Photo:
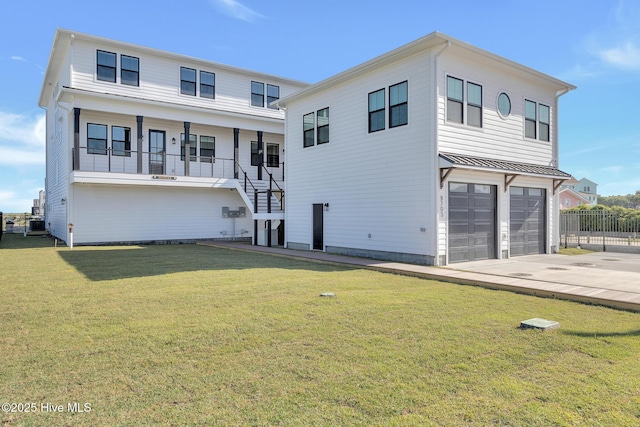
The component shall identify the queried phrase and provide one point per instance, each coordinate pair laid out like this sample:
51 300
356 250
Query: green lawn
194 335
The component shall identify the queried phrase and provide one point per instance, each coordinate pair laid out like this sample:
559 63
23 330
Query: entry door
527 221
157 146
472 222
318 226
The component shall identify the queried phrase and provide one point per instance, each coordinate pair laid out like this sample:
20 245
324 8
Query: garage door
527 221
472 222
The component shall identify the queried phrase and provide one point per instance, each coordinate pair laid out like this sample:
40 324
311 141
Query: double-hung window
398 112
273 94
273 155
207 148
256 156
376 110
474 104
121 141
187 81
207 84
308 129
257 94
96 139
323 126
455 100
193 147
106 66
129 70
543 122
530 119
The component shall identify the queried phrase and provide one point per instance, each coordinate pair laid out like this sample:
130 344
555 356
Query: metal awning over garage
448 162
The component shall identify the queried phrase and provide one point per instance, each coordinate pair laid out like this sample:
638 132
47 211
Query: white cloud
626 56
22 139
236 10
11 203
18 58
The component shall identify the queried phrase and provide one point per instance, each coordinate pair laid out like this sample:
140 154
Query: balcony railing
162 163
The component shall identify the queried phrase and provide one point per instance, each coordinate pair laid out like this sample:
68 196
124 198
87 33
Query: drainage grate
556 268
520 274
583 264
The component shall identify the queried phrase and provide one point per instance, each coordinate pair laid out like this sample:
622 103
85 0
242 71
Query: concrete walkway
604 278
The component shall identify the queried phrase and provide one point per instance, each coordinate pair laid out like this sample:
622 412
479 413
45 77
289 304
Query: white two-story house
436 152
145 145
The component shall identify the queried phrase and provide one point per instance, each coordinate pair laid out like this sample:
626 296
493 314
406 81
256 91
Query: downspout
553 239
434 158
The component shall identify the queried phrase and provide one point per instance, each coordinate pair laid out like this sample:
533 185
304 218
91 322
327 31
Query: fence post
604 245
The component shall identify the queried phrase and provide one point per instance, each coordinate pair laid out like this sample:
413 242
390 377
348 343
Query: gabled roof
448 160
435 39
575 194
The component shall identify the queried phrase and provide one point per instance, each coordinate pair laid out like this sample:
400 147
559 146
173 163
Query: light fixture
173 140
63 201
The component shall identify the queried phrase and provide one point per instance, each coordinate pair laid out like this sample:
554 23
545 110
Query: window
96 139
121 141
543 126
207 148
398 114
193 147
129 70
474 105
187 81
106 66
257 94
273 155
207 85
255 154
376 110
504 105
530 119
308 127
323 126
455 100
273 94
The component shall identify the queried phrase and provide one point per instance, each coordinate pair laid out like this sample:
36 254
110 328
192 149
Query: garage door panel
527 221
472 222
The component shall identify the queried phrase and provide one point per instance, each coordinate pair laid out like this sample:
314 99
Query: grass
573 251
194 335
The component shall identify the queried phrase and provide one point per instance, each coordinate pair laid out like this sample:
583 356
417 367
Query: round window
504 105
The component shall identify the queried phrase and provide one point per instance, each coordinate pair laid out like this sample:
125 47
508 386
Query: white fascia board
112 178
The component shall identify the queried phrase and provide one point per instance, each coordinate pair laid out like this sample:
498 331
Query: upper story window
129 70
187 81
257 94
543 122
474 104
207 85
308 128
398 111
273 94
106 70
207 148
536 120
96 139
376 110
455 100
323 126
121 141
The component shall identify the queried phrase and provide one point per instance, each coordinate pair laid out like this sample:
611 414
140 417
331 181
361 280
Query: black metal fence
600 228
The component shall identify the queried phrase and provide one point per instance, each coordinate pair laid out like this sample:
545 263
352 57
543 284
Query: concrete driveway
604 276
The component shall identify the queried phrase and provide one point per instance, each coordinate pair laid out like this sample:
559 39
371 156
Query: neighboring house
435 152
577 193
589 190
38 208
144 145
570 199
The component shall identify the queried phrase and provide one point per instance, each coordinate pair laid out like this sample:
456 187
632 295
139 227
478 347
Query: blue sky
593 44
